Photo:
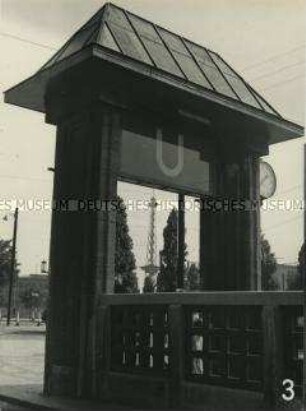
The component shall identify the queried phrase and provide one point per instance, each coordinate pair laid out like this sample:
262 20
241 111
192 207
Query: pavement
22 355
21 361
4 406
21 373
30 397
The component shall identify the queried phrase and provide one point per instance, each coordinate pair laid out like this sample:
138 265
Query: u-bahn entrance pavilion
124 95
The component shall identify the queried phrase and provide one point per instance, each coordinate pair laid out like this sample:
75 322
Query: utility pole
12 271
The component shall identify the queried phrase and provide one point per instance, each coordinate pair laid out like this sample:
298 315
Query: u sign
169 171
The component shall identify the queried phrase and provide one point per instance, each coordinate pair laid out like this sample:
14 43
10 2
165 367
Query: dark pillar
273 363
181 243
177 370
82 240
229 233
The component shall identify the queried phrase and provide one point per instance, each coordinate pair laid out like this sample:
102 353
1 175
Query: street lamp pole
12 271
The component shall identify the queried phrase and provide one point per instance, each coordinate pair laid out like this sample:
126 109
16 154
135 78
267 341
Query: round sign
267 180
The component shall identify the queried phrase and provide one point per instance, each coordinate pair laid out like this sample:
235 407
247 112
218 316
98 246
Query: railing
216 348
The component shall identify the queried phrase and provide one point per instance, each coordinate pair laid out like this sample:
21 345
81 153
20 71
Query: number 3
288 385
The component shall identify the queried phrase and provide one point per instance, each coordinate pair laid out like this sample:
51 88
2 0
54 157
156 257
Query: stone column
82 241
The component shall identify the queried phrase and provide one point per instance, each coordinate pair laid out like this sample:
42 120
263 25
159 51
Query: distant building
31 294
33 279
284 274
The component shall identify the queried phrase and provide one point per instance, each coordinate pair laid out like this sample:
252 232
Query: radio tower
151 267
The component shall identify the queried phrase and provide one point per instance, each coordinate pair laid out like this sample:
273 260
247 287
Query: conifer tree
167 276
268 266
125 263
5 268
148 286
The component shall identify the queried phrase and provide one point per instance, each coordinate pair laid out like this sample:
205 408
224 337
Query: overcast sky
263 39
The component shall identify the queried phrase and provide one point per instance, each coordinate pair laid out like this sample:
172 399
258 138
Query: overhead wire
275 57
275 226
33 43
12 177
283 83
283 68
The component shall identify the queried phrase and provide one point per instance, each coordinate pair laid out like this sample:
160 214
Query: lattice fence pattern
225 346
140 340
292 319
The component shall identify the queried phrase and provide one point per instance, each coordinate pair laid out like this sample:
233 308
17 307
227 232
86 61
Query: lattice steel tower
151 268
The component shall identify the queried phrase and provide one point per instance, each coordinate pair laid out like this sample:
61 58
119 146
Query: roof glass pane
106 39
94 36
224 67
173 42
242 91
161 57
90 27
217 80
210 69
200 53
52 60
78 41
266 105
95 19
129 43
192 71
236 82
117 16
145 29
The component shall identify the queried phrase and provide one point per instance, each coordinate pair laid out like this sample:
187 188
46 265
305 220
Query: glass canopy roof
133 37
116 46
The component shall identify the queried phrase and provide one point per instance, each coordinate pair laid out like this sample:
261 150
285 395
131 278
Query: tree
5 261
148 286
32 294
268 266
30 297
125 263
301 267
5 268
167 276
192 280
296 282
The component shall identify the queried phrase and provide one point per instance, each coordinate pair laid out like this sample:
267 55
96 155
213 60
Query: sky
264 40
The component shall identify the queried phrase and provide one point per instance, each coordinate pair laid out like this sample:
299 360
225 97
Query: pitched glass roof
133 37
